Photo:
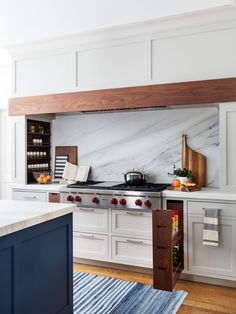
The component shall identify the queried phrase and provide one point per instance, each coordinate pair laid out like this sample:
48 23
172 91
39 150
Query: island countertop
18 215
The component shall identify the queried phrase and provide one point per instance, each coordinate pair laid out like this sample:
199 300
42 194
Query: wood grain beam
149 96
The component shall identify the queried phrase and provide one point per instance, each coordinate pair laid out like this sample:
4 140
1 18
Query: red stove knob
122 201
114 201
95 200
77 198
148 203
70 198
138 202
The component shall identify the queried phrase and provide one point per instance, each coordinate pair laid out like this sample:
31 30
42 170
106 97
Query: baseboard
135 269
143 270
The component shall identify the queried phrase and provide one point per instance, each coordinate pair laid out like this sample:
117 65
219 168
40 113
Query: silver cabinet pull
135 241
87 236
134 214
30 197
87 209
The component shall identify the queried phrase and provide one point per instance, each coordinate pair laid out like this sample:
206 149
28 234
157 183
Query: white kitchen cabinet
131 251
91 220
218 262
132 223
228 146
30 196
90 246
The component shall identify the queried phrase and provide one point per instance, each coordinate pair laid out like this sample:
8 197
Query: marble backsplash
115 142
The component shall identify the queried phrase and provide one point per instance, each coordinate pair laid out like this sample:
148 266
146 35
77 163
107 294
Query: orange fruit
176 183
48 178
45 180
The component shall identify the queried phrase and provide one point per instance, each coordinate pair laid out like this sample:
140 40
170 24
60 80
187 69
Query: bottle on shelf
175 218
175 255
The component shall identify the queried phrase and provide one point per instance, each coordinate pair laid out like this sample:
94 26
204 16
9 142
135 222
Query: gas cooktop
113 185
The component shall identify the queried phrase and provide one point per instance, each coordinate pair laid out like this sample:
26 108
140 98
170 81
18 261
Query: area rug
95 294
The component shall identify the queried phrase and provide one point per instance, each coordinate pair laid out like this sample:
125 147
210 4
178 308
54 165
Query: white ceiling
30 20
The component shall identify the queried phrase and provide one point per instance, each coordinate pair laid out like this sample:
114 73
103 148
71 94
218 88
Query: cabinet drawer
197 208
30 196
132 223
91 246
132 251
91 220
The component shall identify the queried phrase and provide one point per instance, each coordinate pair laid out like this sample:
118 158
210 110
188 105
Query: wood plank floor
202 298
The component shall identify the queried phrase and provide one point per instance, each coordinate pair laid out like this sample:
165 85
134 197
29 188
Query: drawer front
91 220
130 251
132 223
30 196
91 246
197 208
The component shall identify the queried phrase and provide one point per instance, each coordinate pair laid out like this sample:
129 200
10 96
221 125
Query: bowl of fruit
42 177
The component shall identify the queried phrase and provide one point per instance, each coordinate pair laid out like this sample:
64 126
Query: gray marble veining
115 142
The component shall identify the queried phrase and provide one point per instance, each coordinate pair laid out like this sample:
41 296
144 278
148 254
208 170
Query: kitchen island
35 258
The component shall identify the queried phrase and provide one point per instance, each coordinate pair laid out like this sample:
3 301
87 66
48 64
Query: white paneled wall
195 47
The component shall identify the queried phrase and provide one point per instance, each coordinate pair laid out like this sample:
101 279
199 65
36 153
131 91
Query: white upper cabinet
228 146
200 56
45 74
118 65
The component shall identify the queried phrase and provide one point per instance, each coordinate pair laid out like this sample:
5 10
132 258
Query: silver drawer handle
87 209
134 214
134 241
30 196
87 236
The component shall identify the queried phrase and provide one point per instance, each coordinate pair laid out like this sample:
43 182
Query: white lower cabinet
30 196
91 246
131 223
91 220
218 262
131 251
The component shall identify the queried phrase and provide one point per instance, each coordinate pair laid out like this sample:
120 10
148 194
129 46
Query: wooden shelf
38 146
38 158
36 133
165 273
45 146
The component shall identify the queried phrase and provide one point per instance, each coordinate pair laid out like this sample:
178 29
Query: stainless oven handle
134 214
30 197
87 209
134 241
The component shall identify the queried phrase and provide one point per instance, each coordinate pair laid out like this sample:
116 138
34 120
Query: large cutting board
194 161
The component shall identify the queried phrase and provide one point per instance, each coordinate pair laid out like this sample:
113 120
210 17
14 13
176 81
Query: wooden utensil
194 161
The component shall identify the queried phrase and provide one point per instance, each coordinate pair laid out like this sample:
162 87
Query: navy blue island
36 267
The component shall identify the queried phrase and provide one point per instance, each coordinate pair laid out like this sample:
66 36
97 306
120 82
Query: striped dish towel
211 227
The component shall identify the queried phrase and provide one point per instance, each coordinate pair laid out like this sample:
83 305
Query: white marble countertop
39 187
204 194
18 215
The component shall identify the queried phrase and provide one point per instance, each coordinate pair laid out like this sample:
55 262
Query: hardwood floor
202 298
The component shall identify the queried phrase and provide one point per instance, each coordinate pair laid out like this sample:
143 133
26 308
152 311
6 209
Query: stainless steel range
94 194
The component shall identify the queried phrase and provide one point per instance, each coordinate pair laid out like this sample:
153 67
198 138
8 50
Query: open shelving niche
165 273
44 147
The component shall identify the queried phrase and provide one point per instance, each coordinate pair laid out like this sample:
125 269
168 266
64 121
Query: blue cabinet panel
38 276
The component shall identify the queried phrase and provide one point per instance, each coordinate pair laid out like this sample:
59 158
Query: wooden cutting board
194 161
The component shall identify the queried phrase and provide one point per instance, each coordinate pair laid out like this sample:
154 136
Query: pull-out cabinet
165 268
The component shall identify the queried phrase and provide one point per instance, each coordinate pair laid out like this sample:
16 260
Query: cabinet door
228 146
91 220
209 260
132 223
131 251
91 246
30 196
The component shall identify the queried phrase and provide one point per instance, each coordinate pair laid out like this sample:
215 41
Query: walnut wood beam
149 96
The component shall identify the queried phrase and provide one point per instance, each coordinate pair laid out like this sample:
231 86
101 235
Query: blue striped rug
95 294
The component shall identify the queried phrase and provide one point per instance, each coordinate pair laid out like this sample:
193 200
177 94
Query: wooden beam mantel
149 96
